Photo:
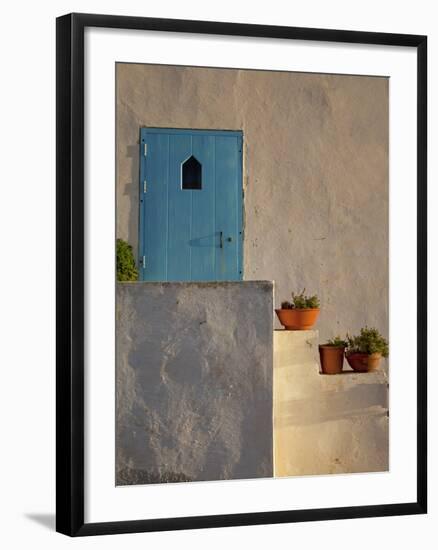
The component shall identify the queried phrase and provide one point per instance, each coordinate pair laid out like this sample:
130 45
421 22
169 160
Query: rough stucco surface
315 175
194 381
326 424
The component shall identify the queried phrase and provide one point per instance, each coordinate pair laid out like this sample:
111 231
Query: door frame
144 130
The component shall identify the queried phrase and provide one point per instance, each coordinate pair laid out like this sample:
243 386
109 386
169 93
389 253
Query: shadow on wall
131 191
362 400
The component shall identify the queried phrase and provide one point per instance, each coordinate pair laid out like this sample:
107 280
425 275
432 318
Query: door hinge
143 262
145 149
145 186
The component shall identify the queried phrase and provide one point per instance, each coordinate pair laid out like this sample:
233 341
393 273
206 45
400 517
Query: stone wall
315 175
194 381
326 424
207 391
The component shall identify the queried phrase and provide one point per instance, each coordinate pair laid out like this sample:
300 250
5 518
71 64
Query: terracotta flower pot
332 359
363 362
297 319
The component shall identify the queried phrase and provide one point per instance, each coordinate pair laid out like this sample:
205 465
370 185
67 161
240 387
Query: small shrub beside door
126 268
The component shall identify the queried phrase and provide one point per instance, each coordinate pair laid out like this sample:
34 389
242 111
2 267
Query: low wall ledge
202 284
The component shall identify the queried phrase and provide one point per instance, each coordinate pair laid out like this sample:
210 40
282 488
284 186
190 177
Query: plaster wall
315 175
326 424
194 381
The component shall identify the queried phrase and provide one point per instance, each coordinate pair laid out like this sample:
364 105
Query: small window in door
191 174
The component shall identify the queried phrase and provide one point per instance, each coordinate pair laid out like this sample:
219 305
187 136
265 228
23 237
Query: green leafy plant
301 301
126 268
336 342
368 341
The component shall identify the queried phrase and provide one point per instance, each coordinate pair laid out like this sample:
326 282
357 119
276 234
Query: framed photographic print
241 274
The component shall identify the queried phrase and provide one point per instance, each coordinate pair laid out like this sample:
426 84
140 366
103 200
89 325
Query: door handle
221 239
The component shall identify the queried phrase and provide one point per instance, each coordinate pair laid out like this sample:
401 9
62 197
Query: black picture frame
70 273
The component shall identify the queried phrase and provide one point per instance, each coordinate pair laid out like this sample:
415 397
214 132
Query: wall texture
194 381
315 174
326 424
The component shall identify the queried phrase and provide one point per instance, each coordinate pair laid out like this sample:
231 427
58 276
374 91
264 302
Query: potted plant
331 355
365 350
301 313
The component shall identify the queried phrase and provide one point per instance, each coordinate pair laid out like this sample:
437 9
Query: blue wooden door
190 205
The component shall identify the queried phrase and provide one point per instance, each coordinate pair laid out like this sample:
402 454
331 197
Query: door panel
180 209
191 234
203 239
227 174
155 208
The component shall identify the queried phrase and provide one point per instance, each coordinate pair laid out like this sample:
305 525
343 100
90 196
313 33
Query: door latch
221 239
